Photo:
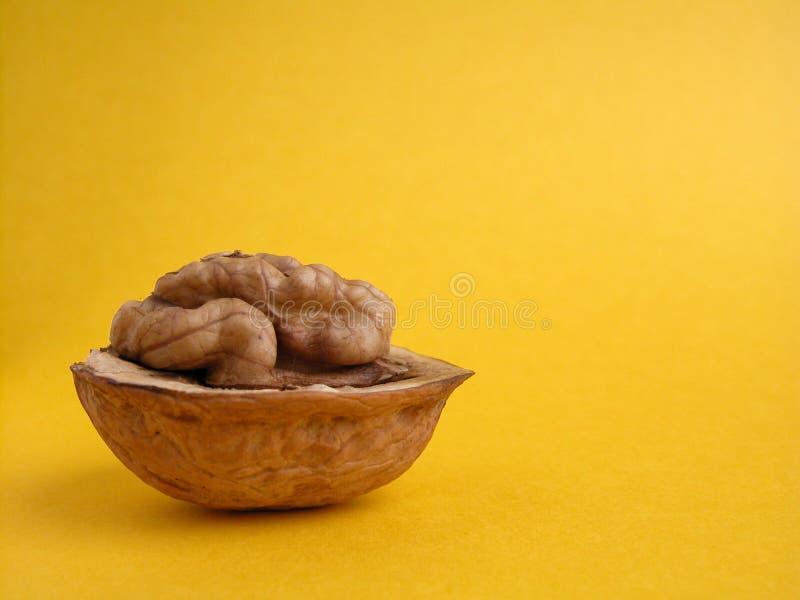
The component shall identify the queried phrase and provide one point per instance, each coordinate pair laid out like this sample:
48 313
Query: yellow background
632 167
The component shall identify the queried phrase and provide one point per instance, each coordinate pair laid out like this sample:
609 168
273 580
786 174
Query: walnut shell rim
266 448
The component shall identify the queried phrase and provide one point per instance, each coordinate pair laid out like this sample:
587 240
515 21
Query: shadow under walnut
264 448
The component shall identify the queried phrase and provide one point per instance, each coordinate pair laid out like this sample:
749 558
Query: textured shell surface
264 448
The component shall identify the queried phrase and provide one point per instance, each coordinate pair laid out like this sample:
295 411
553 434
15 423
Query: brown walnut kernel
261 320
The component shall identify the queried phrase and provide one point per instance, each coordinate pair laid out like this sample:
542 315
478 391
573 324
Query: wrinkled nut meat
233 314
253 381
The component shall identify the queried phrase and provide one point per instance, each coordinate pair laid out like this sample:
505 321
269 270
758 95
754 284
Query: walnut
232 314
318 315
249 382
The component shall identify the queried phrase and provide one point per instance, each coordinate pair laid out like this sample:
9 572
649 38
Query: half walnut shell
264 448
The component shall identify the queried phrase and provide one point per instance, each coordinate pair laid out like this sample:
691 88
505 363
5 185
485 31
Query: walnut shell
265 448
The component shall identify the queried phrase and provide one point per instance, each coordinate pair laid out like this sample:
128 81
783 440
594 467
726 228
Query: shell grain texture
265 448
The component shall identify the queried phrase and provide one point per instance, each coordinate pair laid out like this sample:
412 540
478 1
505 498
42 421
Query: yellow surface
630 167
